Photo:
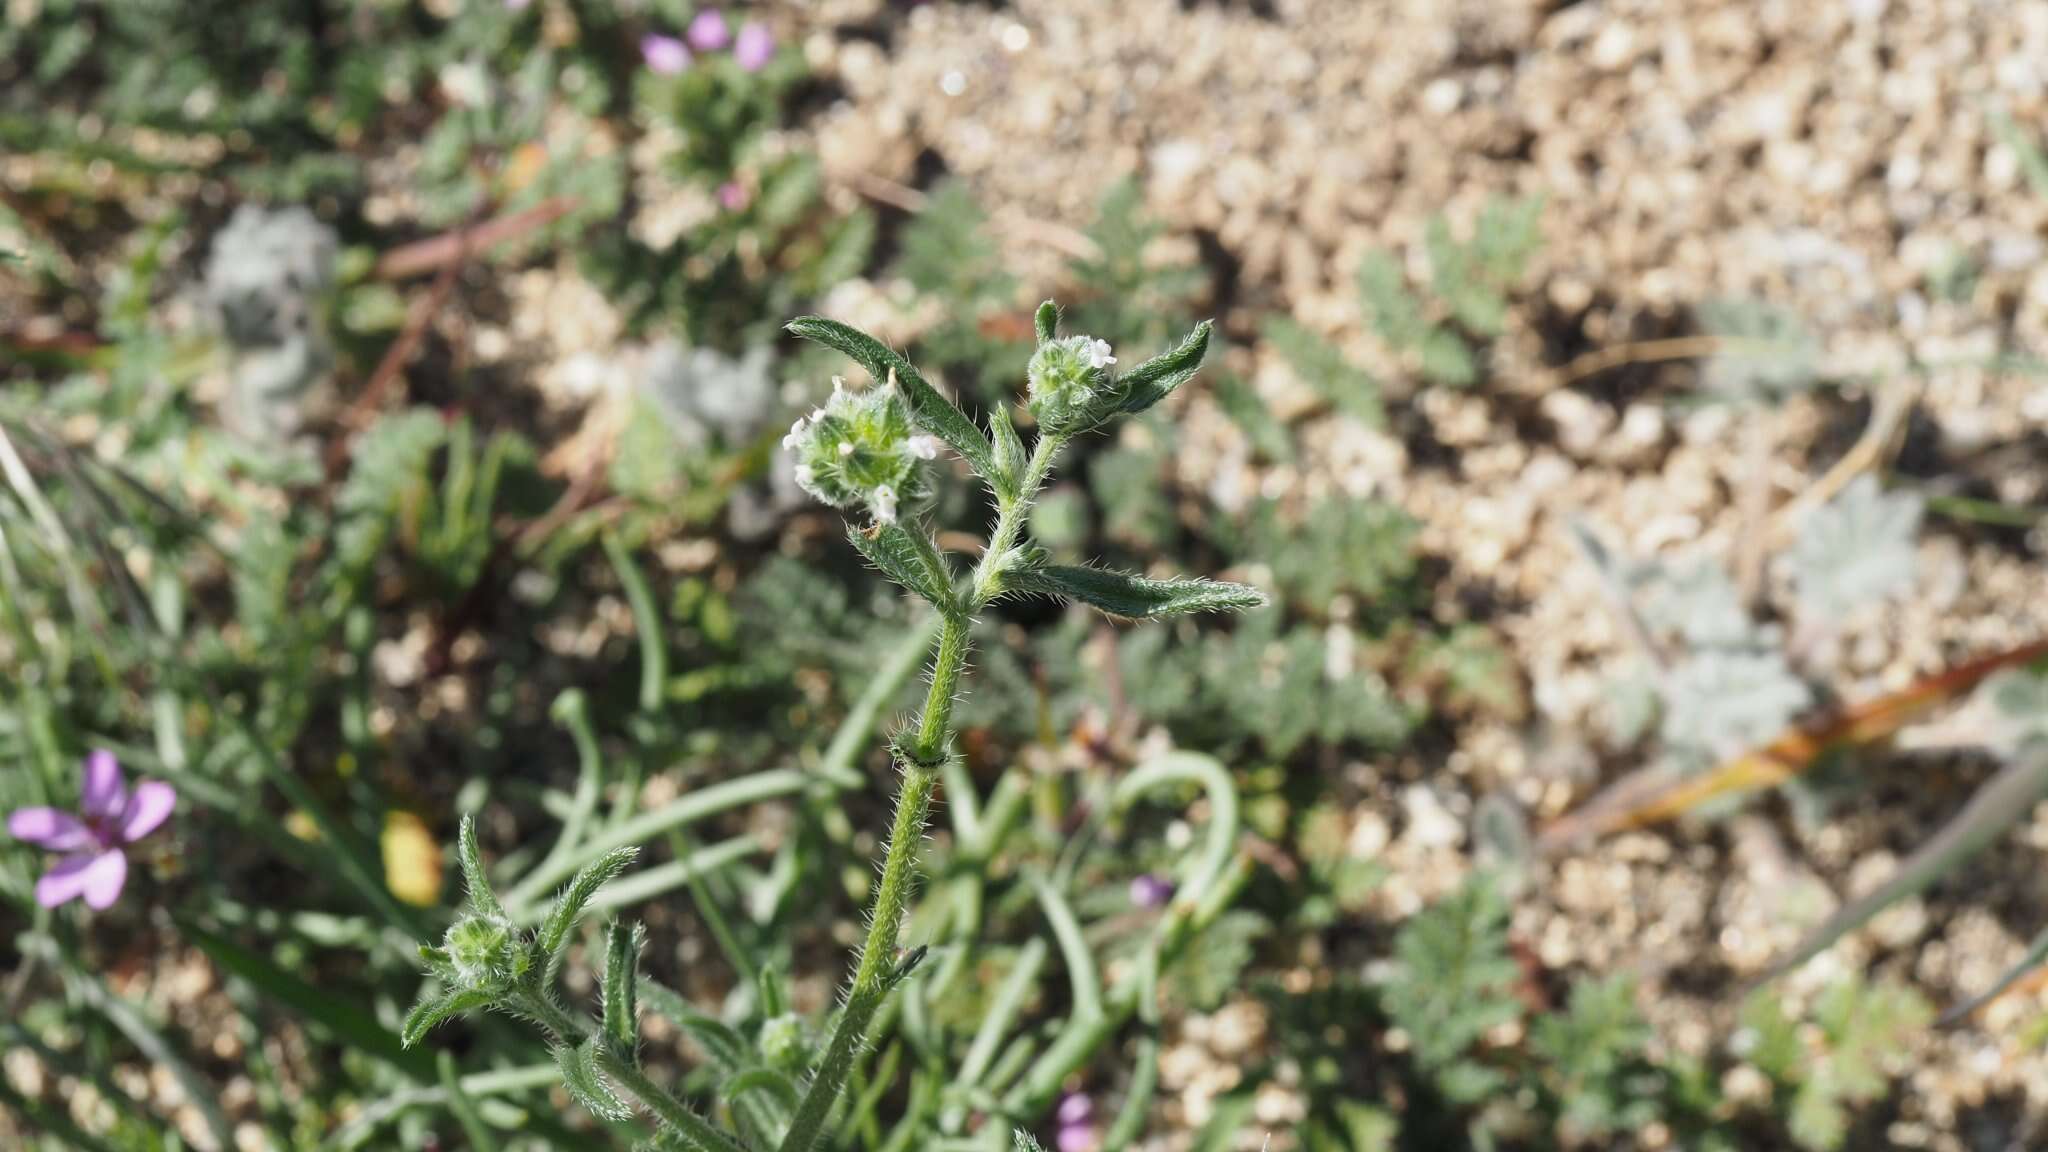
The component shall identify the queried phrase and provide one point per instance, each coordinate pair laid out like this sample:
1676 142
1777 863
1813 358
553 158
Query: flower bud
488 953
861 451
785 1043
1069 378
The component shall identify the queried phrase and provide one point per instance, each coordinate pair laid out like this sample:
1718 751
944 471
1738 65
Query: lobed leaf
932 411
1130 597
910 558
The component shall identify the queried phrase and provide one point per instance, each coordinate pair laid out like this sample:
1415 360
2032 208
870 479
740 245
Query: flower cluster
93 863
861 450
1068 379
752 48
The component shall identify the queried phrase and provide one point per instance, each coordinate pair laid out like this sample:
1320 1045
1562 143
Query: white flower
796 433
845 448
803 476
884 502
923 447
1097 352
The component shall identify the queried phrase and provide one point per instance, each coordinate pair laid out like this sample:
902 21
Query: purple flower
109 817
708 31
1076 1121
732 195
665 55
1149 891
755 47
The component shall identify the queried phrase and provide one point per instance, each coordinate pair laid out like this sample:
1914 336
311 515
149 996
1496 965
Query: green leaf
910 558
580 1075
932 411
1323 366
621 964
1155 379
1048 321
2002 802
725 1047
1129 597
1010 457
554 931
465 1109
353 1025
1446 360
1390 307
431 1011
475 879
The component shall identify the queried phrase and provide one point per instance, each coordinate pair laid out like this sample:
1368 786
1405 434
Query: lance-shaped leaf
432 1010
621 983
2007 799
587 1084
1047 321
932 411
1011 459
909 557
554 931
1129 597
1155 379
477 881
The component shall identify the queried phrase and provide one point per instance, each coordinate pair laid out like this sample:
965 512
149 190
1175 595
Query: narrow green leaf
1155 379
474 877
580 1075
1011 458
351 1024
2036 952
909 557
2002 802
466 1114
431 1011
768 1080
1129 597
621 968
554 931
1048 321
725 1046
932 411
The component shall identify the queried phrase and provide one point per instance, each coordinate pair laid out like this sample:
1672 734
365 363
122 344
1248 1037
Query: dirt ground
1837 159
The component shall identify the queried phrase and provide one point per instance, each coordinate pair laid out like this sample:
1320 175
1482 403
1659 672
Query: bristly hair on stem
869 451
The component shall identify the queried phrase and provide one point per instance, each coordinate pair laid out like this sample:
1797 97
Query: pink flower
665 55
1076 1124
755 47
708 32
109 817
732 195
1150 891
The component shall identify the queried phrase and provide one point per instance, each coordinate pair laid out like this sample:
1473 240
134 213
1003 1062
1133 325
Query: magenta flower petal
97 877
104 794
48 828
708 31
755 47
151 804
665 55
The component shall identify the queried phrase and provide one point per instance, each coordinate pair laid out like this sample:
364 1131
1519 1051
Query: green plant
1469 283
867 451
1858 1027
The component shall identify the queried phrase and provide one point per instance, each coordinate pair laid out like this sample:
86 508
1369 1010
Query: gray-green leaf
1130 597
580 1075
1155 379
909 557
